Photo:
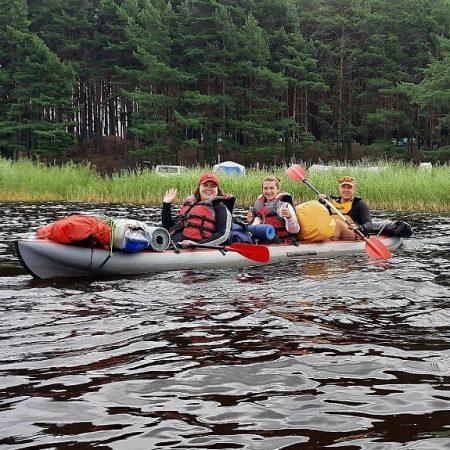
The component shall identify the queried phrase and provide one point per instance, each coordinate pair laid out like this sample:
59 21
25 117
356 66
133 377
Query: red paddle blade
296 172
258 253
376 249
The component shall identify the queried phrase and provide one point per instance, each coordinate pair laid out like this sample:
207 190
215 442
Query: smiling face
270 190
346 191
208 190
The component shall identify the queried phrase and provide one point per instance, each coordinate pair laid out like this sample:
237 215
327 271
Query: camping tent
229 167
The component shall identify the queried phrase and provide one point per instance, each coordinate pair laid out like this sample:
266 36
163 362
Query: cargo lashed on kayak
43 258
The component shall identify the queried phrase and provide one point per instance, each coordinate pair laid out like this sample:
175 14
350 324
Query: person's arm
291 222
166 216
252 218
363 216
166 212
223 226
322 198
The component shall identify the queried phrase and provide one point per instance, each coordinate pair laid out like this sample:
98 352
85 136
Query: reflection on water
344 353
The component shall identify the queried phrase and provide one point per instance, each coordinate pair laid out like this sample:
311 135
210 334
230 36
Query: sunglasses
347 179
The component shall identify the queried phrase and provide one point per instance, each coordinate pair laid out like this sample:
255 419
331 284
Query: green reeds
391 186
27 181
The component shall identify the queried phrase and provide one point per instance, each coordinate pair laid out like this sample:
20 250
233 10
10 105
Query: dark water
343 354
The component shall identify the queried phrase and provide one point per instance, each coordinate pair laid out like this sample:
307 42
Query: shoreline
393 186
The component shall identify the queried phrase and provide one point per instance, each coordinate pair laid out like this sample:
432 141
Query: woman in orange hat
204 218
352 207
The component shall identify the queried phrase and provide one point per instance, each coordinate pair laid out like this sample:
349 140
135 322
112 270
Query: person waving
204 218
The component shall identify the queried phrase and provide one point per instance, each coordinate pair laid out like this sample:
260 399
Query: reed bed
390 186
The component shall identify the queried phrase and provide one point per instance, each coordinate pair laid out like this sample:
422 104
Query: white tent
229 167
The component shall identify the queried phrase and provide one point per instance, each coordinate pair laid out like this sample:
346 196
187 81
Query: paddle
374 247
258 253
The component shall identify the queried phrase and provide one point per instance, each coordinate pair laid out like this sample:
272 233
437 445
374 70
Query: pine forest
189 81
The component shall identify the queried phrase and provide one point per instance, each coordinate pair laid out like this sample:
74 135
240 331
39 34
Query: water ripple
345 353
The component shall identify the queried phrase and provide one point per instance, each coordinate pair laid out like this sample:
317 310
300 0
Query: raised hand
285 212
170 195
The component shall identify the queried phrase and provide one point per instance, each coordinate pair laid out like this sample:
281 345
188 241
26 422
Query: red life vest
197 220
267 212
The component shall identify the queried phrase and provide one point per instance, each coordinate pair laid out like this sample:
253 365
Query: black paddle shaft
311 186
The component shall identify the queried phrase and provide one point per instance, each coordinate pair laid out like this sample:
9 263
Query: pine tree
432 95
36 90
151 83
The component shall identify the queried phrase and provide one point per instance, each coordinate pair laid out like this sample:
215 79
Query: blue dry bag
238 234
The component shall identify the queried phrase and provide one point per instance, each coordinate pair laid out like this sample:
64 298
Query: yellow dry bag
316 224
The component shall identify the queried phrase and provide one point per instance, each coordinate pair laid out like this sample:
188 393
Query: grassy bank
399 187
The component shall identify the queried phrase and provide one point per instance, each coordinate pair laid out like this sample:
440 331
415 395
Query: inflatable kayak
43 258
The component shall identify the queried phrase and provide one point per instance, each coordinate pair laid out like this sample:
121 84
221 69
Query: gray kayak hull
47 259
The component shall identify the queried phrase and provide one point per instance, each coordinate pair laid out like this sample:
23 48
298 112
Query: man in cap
352 207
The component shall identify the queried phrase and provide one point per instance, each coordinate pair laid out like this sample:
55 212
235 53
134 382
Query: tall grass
395 186
28 181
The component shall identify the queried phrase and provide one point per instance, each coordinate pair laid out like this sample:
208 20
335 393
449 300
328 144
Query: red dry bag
77 228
